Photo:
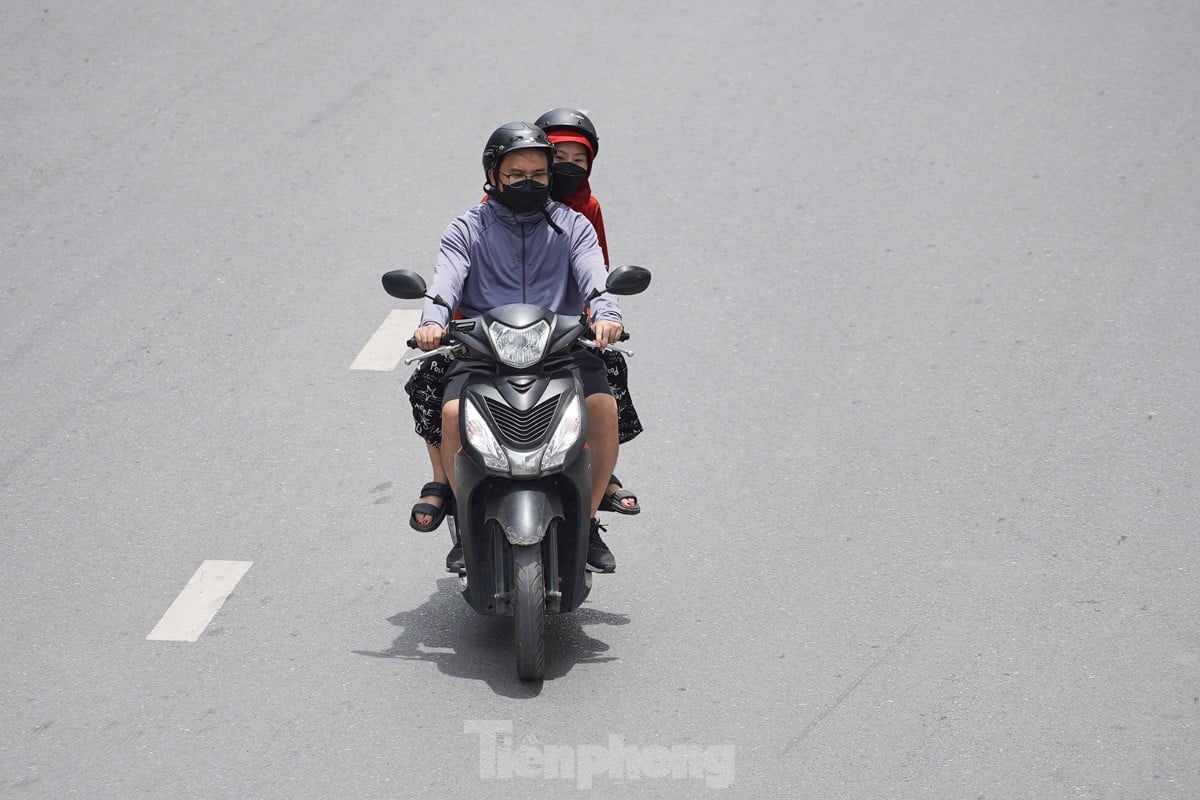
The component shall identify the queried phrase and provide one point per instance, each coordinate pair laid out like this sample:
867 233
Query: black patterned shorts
425 388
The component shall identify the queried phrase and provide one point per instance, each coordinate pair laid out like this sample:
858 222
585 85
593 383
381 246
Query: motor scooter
523 477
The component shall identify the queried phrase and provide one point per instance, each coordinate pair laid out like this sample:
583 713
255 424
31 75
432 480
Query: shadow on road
463 644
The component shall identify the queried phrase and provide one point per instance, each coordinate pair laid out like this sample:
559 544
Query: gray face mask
527 195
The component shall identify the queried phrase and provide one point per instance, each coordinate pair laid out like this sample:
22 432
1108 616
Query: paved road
918 372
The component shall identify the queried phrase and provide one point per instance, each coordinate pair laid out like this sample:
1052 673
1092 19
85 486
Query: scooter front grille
523 427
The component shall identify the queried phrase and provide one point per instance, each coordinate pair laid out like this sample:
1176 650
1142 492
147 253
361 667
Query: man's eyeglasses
538 177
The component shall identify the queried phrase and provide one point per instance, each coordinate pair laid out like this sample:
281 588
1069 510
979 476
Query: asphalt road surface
918 371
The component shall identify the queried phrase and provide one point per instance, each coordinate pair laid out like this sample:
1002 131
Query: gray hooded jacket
491 256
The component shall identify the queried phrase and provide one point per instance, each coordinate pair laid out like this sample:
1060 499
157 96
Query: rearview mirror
627 280
404 284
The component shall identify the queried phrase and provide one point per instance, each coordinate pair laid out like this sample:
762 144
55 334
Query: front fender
524 513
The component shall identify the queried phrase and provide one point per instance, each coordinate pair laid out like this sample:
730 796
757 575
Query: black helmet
514 136
570 119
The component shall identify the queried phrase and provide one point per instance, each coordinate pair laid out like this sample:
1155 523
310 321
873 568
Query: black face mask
565 179
527 195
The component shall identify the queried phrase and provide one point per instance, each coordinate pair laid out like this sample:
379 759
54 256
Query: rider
575 147
513 249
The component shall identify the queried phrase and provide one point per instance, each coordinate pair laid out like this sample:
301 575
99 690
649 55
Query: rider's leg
450 440
602 439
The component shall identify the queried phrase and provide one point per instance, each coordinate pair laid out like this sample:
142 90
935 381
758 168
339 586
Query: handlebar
412 341
590 331
447 346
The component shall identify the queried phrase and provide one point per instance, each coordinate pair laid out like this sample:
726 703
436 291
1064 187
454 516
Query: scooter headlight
519 347
480 437
570 427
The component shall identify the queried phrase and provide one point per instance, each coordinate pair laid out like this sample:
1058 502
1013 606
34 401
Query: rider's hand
429 336
607 332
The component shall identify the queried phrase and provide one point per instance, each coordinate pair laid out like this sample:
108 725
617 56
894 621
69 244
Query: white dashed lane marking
213 582
199 601
383 351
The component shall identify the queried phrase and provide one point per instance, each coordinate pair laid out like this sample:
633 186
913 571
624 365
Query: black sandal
611 502
436 490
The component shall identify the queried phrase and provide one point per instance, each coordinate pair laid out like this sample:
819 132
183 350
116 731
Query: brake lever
616 348
449 349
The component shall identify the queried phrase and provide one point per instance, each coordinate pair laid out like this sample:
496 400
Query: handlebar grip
412 342
624 334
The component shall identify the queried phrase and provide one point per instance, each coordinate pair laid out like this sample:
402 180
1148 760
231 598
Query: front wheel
529 612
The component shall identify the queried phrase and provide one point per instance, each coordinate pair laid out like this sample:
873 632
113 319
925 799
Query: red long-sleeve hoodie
583 200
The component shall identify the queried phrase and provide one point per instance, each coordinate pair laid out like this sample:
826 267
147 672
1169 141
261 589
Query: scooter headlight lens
565 435
519 347
480 437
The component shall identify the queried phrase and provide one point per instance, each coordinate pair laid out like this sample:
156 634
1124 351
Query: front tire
529 612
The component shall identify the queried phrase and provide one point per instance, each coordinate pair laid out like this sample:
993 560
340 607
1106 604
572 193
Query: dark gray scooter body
496 513
524 532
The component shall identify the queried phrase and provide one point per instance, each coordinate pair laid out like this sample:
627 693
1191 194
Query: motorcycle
523 475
